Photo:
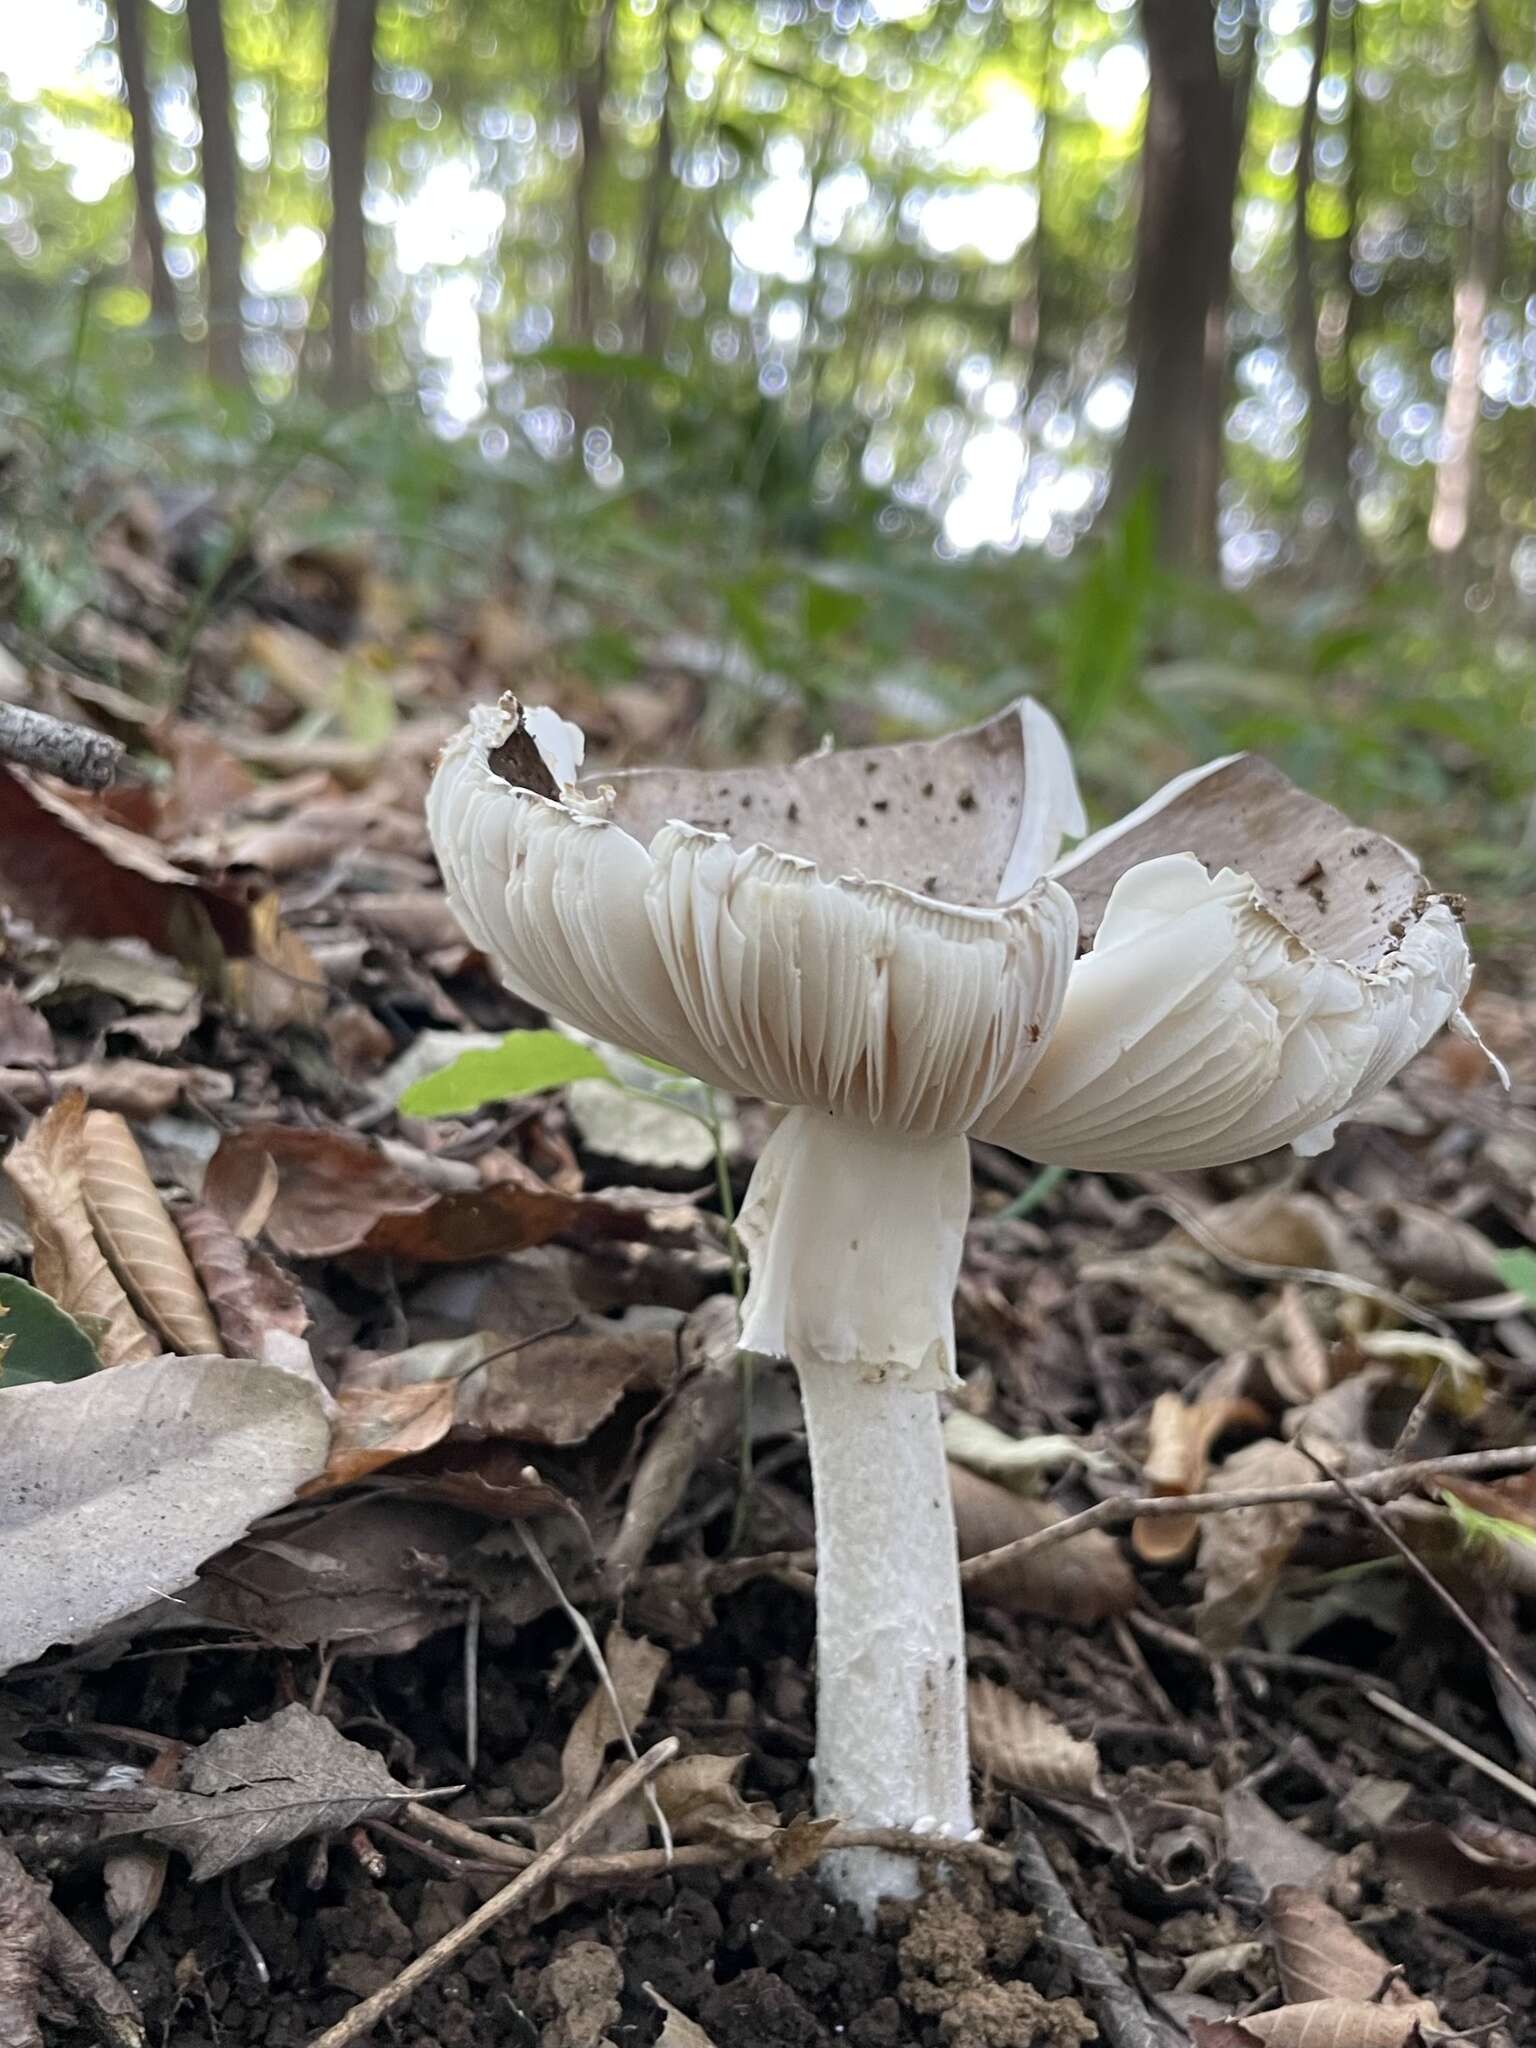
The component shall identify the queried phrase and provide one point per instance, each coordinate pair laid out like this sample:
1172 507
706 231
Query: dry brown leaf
134 1088
1243 1551
1221 2034
1320 1956
250 1294
134 1229
1084 1580
46 1169
68 870
559 1389
337 1192
25 1037
1220 1319
281 983
377 1426
1474 1869
634 1669
1274 1851
1180 1438
1022 1745
1283 1226
1305 1371
700 1796
1342 2023
800 1844
1445 1259
134 1873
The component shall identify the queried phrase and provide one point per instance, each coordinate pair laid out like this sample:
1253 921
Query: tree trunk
1183 269
1327 462
221 231
151 236
591 90
1027 325
657 193
348 112
1450 517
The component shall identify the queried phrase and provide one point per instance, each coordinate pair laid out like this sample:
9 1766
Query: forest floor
1269 1762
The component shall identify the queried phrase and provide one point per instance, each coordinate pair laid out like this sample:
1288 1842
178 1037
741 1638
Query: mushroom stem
891 1742
855 1235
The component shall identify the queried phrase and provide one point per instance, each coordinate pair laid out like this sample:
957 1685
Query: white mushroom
1259 966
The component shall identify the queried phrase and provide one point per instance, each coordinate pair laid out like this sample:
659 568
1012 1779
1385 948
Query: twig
1288 1663
1123 2018
364 2017
1455 1748
72 752
1109 1514
67 1957
1416 1564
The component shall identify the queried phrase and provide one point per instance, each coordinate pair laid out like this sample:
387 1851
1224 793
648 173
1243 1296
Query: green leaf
1484 1530
1517 1270
523 1063
38 1341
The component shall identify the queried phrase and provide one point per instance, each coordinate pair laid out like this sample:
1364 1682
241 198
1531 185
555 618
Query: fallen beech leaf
114 1489
139 977
1422 1354
1022 1745
25 1037
250 1294
1083 1580
677 2030
46 1169
377 1426
73 874
1221 2034
280 983
1342 2023
252 1790
1436 1252
1244 1550
558 1389
1320 1956
1180 1438
39 1343
1223 1323
136 1233
1284 1227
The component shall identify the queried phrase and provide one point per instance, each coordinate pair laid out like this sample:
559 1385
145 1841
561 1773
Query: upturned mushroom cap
873 934
649 912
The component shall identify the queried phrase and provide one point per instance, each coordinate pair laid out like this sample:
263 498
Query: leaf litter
291 1363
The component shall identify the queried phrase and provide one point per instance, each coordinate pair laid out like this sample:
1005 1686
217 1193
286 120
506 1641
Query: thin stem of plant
363 2018
1474 1758
1119 1509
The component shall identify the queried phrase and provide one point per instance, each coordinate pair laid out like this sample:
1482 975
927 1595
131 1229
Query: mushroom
882 942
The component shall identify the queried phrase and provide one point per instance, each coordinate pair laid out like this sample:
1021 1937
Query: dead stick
1108 1514
363 2018
73 752
1462 1750
1122 2015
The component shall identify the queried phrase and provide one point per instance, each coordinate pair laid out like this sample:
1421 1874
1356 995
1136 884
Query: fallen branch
35 1939
73 752
1119 1509
363 2018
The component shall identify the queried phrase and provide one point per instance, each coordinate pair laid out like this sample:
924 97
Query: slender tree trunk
221 232
1450 517
1327 462
657 193
151 236
348 112
591 90
1183 270
1027 325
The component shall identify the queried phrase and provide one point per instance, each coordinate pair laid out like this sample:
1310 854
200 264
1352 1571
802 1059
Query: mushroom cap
1259 966
763 969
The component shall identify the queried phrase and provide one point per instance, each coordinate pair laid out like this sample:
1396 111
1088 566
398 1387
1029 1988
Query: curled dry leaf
63 866
1019 1463
136 1233
47 1169
131 1479
700 1796
1474 1869
677 2030
1283 1226
377 1426
634 1668
1180 1438
136 1088
1342 2023
1022 1745
337 1192
250 1294
252 1790
1243 1552
1275 1852
134 1872
1223 1323
1084 1580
